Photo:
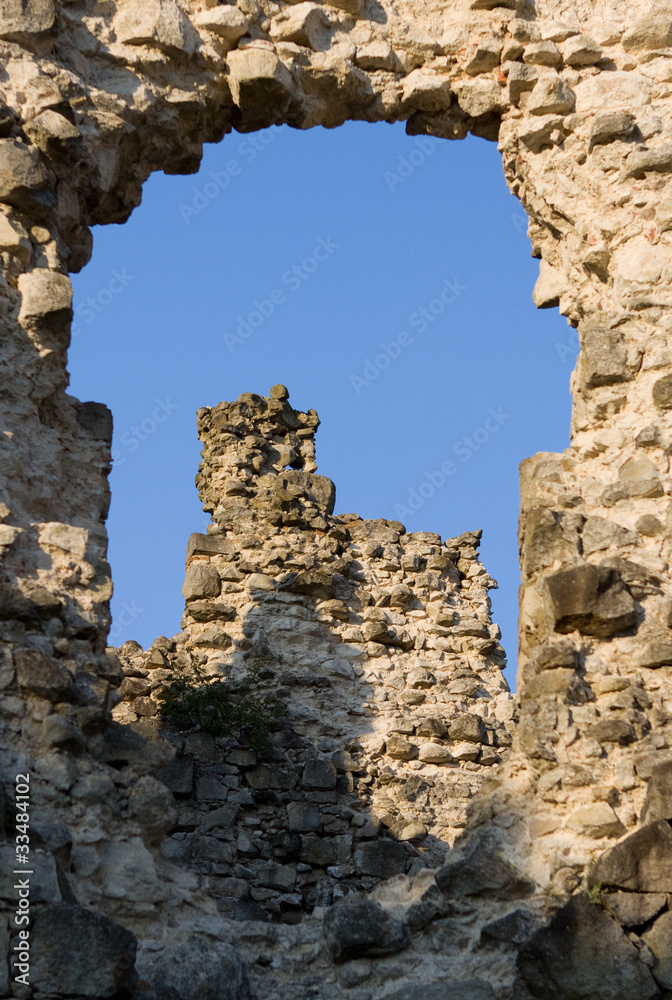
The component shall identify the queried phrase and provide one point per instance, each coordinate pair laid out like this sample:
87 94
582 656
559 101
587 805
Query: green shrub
223 707
595 894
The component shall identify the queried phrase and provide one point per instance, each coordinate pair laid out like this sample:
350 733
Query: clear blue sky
386 280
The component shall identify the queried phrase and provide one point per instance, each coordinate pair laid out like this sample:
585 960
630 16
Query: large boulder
358 928
583 954
75 952
640 863
200 970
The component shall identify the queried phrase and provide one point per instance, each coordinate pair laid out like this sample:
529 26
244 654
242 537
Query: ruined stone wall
97 95
381 648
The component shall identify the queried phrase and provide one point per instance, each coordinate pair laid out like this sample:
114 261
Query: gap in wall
386 280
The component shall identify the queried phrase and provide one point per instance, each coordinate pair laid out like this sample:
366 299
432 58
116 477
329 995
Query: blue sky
386 280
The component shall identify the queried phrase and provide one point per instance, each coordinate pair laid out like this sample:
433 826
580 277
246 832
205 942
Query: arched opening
385 279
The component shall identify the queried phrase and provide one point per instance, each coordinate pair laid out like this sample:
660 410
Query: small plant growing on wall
243 707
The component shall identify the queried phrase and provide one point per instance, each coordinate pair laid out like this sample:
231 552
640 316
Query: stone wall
379 645
97 95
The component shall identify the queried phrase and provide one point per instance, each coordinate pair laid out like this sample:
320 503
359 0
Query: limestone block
598 533
45 295
401 749
222 818
426 92
464 750
353 929
213 637
319 774
617 90
377 56
161 24
544 53
578 954
381 858
303 817
319 851
201 581
434 753
102 965
42 675
648 33
178 775
579 50
596 820
27 22
611 125
210 789
467 727
484 57
260 84
662 393
591 599
56 136
153 807
138 745
520 79
207 545
305 24
634 909
640 163
228 22
551 95
604 358
640 863
478 97
24 181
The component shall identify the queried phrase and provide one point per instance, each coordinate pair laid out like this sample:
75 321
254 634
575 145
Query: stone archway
98 95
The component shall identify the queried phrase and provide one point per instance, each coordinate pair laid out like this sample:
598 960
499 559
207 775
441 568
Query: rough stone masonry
558 884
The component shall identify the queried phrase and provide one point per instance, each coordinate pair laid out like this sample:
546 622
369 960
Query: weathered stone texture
94 98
